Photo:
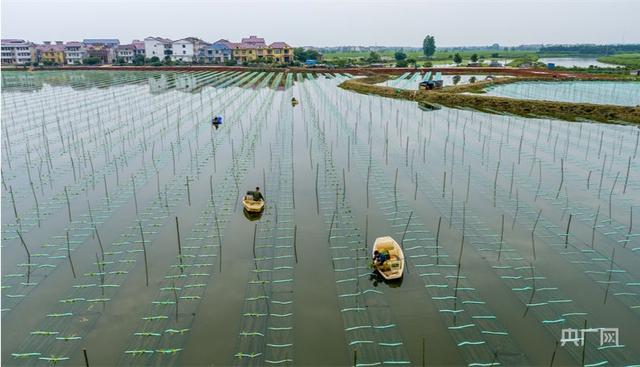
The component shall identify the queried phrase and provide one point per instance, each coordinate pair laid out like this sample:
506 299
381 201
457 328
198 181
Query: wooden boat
251 205
394 267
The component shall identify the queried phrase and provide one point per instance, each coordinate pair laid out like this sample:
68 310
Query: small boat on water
294 102
394 266
252 206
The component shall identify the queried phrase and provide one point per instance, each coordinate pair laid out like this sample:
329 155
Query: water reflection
375 278
158 81
252 216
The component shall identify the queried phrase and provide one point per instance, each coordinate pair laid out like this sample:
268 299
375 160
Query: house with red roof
17 52
51 53
74 52
159 47
254 49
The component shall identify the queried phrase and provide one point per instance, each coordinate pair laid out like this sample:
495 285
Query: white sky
329 22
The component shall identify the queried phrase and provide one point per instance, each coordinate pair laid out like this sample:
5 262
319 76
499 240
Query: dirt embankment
453 97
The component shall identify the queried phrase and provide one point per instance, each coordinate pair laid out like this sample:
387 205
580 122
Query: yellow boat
252 206
394 267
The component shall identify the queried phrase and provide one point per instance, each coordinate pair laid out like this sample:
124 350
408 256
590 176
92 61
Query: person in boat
294 100
214 120
257 195
379 257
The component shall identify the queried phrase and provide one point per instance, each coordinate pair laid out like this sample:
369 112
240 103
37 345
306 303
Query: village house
102 52
187 49
253 49
125 53
217 52
74 52
49 53
158 47
138 47
17 52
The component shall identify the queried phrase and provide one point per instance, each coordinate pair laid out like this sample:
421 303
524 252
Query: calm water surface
513 229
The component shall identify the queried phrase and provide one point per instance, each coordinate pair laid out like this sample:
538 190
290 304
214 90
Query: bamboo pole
144 250
73 270
295 242
66 194
566 238
179 244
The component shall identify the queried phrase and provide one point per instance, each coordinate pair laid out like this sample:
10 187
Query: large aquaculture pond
599 92
124 235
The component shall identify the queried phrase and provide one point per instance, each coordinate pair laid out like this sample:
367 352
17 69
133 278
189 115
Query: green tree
400 55
429 46
154 59
302 55
231 62
374 58
299 54
456 79
457 58
341 63
91 60
413 62
402 63
474 58
472 79
138 60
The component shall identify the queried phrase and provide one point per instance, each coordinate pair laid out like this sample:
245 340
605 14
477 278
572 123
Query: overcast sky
329 22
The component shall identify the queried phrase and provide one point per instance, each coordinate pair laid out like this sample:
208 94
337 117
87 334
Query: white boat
394 267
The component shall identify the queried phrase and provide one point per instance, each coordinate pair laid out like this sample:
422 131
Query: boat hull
253 206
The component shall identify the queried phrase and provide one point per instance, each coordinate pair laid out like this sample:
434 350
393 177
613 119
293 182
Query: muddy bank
453 97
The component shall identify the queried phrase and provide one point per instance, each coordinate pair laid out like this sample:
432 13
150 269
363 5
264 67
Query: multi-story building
280 52
243 52
74 52
255 49
187 49
125 53
247 50
49 53
102 52
17 52
183 50
109 42
158 47
138 47
218 52
222 50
